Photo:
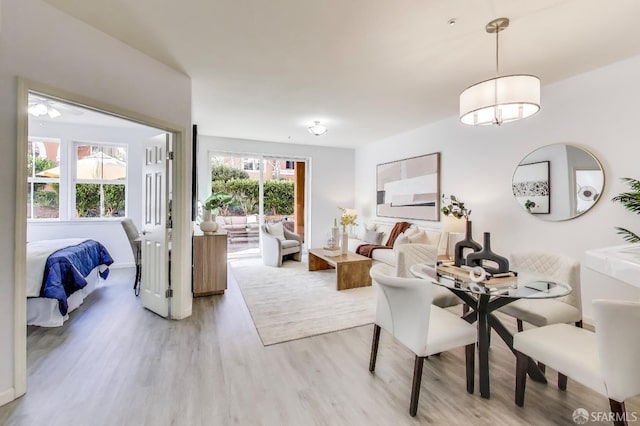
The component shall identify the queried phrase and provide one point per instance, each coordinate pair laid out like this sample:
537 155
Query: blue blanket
66 268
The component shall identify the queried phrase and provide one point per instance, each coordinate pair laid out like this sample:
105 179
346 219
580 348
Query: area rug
289 302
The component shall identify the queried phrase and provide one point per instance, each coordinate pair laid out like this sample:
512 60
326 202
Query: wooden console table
209 263
352 270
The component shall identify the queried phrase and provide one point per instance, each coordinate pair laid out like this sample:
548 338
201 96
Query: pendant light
503 98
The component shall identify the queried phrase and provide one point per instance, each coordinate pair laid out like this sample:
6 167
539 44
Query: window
251 163
93 184
43 200
100 174
289 165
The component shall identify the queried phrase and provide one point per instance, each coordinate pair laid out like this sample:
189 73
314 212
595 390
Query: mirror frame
538 180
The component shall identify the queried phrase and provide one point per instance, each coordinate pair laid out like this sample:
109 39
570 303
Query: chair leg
470 359
519 322
415 388
374 347
542 367
619 412
562 381
522 362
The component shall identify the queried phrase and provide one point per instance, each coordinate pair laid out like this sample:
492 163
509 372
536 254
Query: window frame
32 180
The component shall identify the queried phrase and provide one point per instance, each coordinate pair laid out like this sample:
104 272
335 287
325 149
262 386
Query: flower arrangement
348 217
451 206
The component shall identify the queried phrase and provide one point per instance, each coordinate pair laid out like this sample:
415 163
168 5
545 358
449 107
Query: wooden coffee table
352 270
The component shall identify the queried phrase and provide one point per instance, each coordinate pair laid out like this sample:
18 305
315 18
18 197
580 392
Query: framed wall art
531 187
409 188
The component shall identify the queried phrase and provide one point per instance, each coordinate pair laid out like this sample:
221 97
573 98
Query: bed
60 274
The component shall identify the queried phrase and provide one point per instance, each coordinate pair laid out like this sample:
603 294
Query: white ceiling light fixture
317 129
503 98
39 109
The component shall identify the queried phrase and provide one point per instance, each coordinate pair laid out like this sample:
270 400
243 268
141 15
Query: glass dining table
483 298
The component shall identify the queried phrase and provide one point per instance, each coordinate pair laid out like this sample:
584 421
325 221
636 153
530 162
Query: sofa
245 227
418 244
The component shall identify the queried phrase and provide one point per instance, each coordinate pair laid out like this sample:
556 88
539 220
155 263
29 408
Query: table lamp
455 229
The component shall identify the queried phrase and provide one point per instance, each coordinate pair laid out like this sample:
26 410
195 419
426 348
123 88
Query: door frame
266 156
181 232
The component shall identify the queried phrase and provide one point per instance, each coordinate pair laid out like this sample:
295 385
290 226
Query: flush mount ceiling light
503 98
317 129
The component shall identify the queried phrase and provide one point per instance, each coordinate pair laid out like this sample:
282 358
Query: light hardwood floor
115 363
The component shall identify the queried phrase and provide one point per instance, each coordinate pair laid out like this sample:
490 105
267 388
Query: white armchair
405 311
278 243
605 361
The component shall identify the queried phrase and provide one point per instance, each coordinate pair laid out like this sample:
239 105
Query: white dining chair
605 361
405 311
541 312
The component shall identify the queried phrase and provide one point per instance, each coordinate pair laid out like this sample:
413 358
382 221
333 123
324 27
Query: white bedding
37 254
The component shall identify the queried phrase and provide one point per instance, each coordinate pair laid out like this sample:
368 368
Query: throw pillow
362 230
402 239
276 230
372 237
419 238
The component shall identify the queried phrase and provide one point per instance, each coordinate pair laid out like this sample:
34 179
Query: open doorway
83 173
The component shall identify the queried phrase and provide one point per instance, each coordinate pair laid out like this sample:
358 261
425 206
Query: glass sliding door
266 190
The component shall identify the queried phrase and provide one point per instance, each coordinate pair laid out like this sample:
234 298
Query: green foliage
88 199
529 205
631 201
217 200
278 197
225 173
40 164
451 206
114 198
245 192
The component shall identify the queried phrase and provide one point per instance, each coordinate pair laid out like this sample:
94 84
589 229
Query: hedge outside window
100 173
43 182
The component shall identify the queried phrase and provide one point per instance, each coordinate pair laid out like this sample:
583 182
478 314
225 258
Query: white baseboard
7 396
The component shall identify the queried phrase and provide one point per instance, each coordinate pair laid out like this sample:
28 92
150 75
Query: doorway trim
181 238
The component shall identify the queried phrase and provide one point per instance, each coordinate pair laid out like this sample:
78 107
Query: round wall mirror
558 182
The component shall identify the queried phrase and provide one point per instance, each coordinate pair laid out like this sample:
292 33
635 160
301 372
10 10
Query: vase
498 264
345 242
208 225
335 233
467 244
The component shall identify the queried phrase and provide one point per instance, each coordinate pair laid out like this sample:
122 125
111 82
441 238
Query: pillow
401 239
372 237
276 230
364 228
419 238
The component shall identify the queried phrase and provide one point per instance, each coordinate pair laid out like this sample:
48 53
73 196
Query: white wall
79 59
330 170
596 110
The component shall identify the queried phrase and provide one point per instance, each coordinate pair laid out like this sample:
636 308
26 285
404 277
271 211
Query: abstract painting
531 187
409 188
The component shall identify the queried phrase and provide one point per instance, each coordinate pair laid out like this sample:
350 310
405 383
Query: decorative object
529 205
335 232
531 185
332 251
302 303
466 244
567 185
498 264
409 188
348 218
212 206
208 224
454 221
503 98
317 129
631 201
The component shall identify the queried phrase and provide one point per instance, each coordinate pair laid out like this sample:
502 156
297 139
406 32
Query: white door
154 284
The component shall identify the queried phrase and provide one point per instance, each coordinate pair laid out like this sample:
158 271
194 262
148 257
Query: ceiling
367 69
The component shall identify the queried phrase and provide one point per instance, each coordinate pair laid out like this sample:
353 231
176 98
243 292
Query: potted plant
212 207
631 201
